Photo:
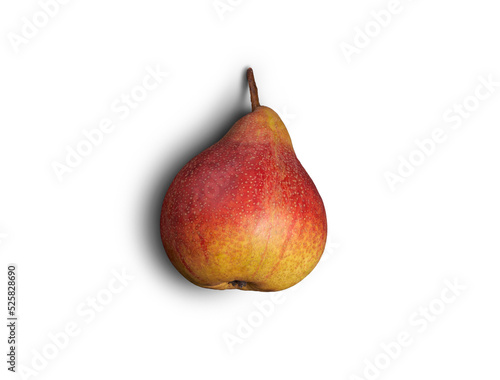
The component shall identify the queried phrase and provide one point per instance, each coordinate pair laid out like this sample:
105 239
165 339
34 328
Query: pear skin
244 214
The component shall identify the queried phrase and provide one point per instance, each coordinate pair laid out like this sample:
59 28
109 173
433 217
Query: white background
389 252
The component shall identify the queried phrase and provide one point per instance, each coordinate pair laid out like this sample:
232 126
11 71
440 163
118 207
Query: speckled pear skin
244 214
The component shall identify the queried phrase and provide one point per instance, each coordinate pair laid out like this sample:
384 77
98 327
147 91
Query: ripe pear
244 214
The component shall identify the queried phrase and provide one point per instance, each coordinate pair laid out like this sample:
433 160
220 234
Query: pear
244 214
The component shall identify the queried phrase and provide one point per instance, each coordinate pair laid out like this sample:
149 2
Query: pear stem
254 94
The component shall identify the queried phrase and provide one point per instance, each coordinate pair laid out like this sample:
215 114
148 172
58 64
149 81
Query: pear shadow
214 127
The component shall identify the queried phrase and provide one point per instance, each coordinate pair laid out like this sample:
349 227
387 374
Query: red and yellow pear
244 214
